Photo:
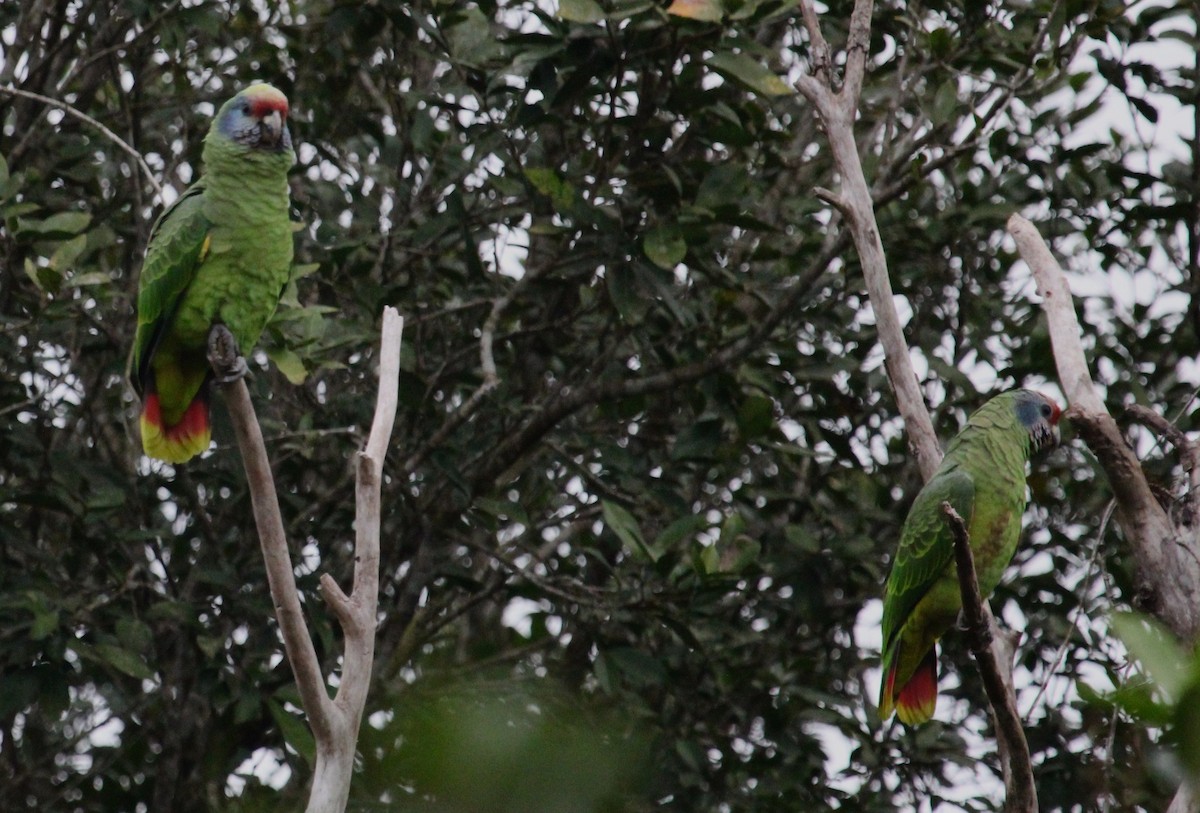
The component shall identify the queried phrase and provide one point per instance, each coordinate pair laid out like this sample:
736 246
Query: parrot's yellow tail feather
180 442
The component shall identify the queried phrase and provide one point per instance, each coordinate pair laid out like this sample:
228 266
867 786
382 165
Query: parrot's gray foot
239 370
979 638
227 362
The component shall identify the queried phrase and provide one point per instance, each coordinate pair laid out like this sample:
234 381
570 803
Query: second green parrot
983 477
221 252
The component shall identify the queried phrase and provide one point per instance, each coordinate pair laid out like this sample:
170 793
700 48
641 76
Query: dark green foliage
690 476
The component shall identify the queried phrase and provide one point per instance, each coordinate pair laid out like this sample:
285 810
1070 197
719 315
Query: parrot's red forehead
265 99
1057 409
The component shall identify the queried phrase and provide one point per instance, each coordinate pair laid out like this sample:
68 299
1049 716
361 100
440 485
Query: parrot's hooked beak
271 126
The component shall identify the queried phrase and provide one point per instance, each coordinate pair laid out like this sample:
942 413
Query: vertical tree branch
223 355
1020 791
838 110
858 47
358 612
335 722
1166 560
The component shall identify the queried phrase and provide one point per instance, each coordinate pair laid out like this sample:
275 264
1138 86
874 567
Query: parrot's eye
1047 411
246 108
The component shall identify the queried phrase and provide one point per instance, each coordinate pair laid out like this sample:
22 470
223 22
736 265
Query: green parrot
983 477
221 253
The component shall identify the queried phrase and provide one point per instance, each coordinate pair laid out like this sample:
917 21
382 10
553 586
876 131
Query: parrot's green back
221 253
983 477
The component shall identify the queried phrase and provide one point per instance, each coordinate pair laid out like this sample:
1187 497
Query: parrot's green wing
178 244
926 547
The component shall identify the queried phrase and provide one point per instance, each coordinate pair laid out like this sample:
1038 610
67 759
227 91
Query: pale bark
1166 561
838 108
334 721
1185 801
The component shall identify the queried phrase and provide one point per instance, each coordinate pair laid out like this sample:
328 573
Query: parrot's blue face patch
238 123
1039 415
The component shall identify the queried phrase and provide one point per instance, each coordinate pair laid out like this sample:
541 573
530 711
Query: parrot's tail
918 697
181 441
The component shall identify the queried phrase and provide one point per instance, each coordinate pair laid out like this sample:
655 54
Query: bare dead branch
358 612
224 358
335 722
833 199
1065 333
1163 427
1168 567
995 669
858 47
821 59
837 111
1185 801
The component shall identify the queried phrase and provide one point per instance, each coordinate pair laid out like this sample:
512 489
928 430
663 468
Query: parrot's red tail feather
177 442
918 697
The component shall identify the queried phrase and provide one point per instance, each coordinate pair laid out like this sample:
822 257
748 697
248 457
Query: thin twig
1182 443
109 134
1059 656
1020 791
487 365
1189 454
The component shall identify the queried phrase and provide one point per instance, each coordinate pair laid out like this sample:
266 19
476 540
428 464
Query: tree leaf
45 623
699 441
749 72
945 102
622 523
710 11
295 732
1162 658
131 663
289 364
548 182
580 11
682 528
623 291
61 223
756 416
665 246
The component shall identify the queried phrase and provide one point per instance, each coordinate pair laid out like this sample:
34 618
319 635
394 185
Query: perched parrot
221 253
983 477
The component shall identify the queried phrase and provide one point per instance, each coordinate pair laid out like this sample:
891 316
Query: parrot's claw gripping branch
224 356
1021 793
